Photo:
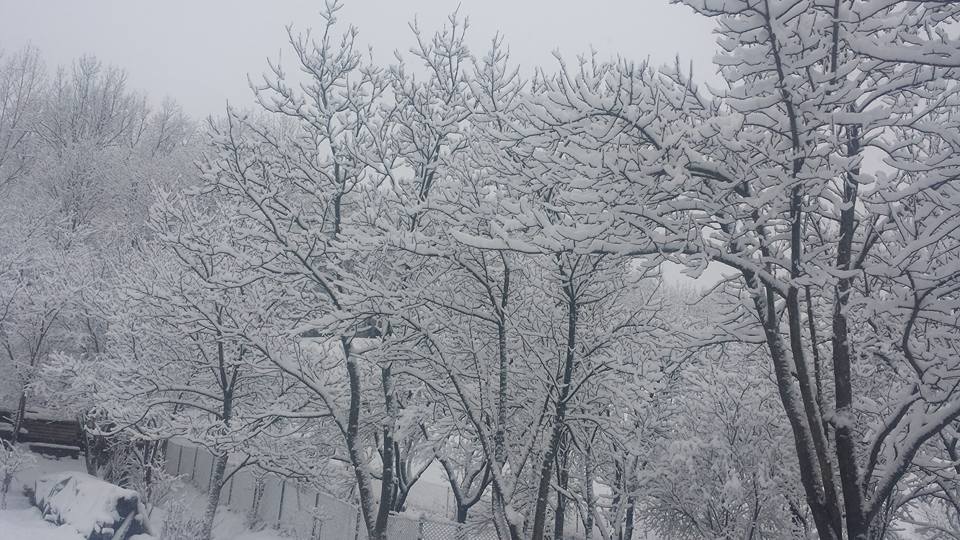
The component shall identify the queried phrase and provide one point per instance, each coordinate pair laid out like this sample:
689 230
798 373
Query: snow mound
96 509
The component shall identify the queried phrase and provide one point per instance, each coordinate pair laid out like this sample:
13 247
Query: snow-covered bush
139 465
179 523
155 486
13 459
96 509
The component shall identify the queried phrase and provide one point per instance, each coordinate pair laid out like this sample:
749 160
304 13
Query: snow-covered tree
439 261
76 200
722 466
13 460
22 84
835 119
177 360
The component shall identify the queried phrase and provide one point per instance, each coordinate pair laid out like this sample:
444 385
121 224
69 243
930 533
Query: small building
45 432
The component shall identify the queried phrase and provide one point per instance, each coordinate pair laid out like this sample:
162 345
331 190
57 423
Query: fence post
283 493
258 487
179 457
193 470
420 528
317 527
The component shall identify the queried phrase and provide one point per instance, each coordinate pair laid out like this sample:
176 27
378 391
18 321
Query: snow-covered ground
21 521
228 525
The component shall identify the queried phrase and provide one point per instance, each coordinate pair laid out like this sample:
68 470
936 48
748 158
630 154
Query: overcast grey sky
200 51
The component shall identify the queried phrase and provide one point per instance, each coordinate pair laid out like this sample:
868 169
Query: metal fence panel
479 531
337 520
186 464
203 469
433 530
270 503
298 507
239 492
173 457
301 511
401 528
410 528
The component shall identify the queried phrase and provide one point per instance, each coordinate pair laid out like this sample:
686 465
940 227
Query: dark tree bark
560 410
563 482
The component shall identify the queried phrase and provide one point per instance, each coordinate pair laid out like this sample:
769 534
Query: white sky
199 52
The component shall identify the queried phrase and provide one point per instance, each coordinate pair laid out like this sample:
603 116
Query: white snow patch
84 502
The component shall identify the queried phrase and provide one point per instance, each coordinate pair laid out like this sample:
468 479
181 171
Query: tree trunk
563 480
213 496
591 502
858 526
462 511
563 393
461 521
387 488
628 526
501 520
357 459
499 451
824 515
19 417
463 501
400 499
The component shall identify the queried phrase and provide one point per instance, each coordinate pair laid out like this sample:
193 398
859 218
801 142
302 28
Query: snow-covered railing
302 512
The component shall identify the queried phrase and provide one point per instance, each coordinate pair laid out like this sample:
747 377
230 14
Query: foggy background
200 52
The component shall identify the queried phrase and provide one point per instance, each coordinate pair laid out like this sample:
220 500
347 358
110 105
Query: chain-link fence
405 528
302 512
